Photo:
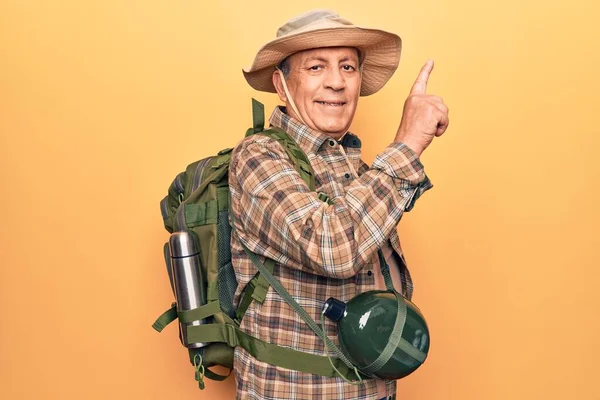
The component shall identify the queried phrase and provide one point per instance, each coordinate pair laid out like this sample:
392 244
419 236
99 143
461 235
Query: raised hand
425 116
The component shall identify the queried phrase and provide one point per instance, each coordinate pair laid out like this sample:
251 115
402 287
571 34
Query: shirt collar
310 141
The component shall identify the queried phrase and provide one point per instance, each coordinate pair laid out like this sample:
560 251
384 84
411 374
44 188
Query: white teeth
331 104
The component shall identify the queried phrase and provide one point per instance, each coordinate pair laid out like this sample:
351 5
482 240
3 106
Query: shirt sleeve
403 165
275 214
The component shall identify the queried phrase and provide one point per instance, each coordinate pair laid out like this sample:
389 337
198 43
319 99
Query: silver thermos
187 276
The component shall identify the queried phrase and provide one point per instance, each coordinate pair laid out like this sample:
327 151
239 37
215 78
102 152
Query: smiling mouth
334 104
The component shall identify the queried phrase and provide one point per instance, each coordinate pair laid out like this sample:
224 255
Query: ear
279 86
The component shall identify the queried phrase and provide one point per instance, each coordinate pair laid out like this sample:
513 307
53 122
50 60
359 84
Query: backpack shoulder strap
298 158
258 286
258 118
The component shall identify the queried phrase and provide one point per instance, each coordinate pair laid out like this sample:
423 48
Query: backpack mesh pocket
227 284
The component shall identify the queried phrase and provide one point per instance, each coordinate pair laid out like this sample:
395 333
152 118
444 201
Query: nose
334 79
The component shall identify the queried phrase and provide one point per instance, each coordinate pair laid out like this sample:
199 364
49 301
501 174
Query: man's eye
315 67
348 68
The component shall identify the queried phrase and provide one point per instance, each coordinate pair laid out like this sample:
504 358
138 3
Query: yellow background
102 103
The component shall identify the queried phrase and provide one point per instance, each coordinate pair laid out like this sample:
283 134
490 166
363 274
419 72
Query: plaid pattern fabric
320 250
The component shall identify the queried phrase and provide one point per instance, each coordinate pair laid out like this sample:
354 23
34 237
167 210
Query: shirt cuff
404 166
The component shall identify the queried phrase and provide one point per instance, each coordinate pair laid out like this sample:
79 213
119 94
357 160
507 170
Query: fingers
441 113
440 105
442 124
420 85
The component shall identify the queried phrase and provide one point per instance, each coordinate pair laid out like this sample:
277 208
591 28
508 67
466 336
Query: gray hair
284 66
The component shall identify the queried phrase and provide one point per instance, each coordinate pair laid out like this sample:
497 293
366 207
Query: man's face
325 85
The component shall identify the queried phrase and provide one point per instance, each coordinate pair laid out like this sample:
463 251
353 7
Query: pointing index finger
420 85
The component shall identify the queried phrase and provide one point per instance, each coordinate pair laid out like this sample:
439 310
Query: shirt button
332 143
347 175
369 273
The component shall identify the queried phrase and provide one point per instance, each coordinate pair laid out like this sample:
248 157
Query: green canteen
365 325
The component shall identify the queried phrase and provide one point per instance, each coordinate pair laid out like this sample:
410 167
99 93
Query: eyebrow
322 59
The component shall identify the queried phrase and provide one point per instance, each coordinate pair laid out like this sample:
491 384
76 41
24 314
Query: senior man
319 64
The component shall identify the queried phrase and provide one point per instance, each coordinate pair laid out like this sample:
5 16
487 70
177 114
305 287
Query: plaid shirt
320 250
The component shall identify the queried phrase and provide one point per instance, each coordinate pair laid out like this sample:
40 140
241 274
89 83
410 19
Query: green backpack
198 201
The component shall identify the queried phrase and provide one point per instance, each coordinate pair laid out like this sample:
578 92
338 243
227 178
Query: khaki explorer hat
323 28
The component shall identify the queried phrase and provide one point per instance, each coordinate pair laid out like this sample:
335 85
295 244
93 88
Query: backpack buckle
231 336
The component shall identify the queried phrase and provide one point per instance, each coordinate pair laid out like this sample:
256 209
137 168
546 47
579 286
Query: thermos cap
183 244
334 309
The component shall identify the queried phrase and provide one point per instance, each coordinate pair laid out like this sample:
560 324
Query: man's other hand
425 116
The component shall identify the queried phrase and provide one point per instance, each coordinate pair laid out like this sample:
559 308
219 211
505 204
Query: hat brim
381 55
